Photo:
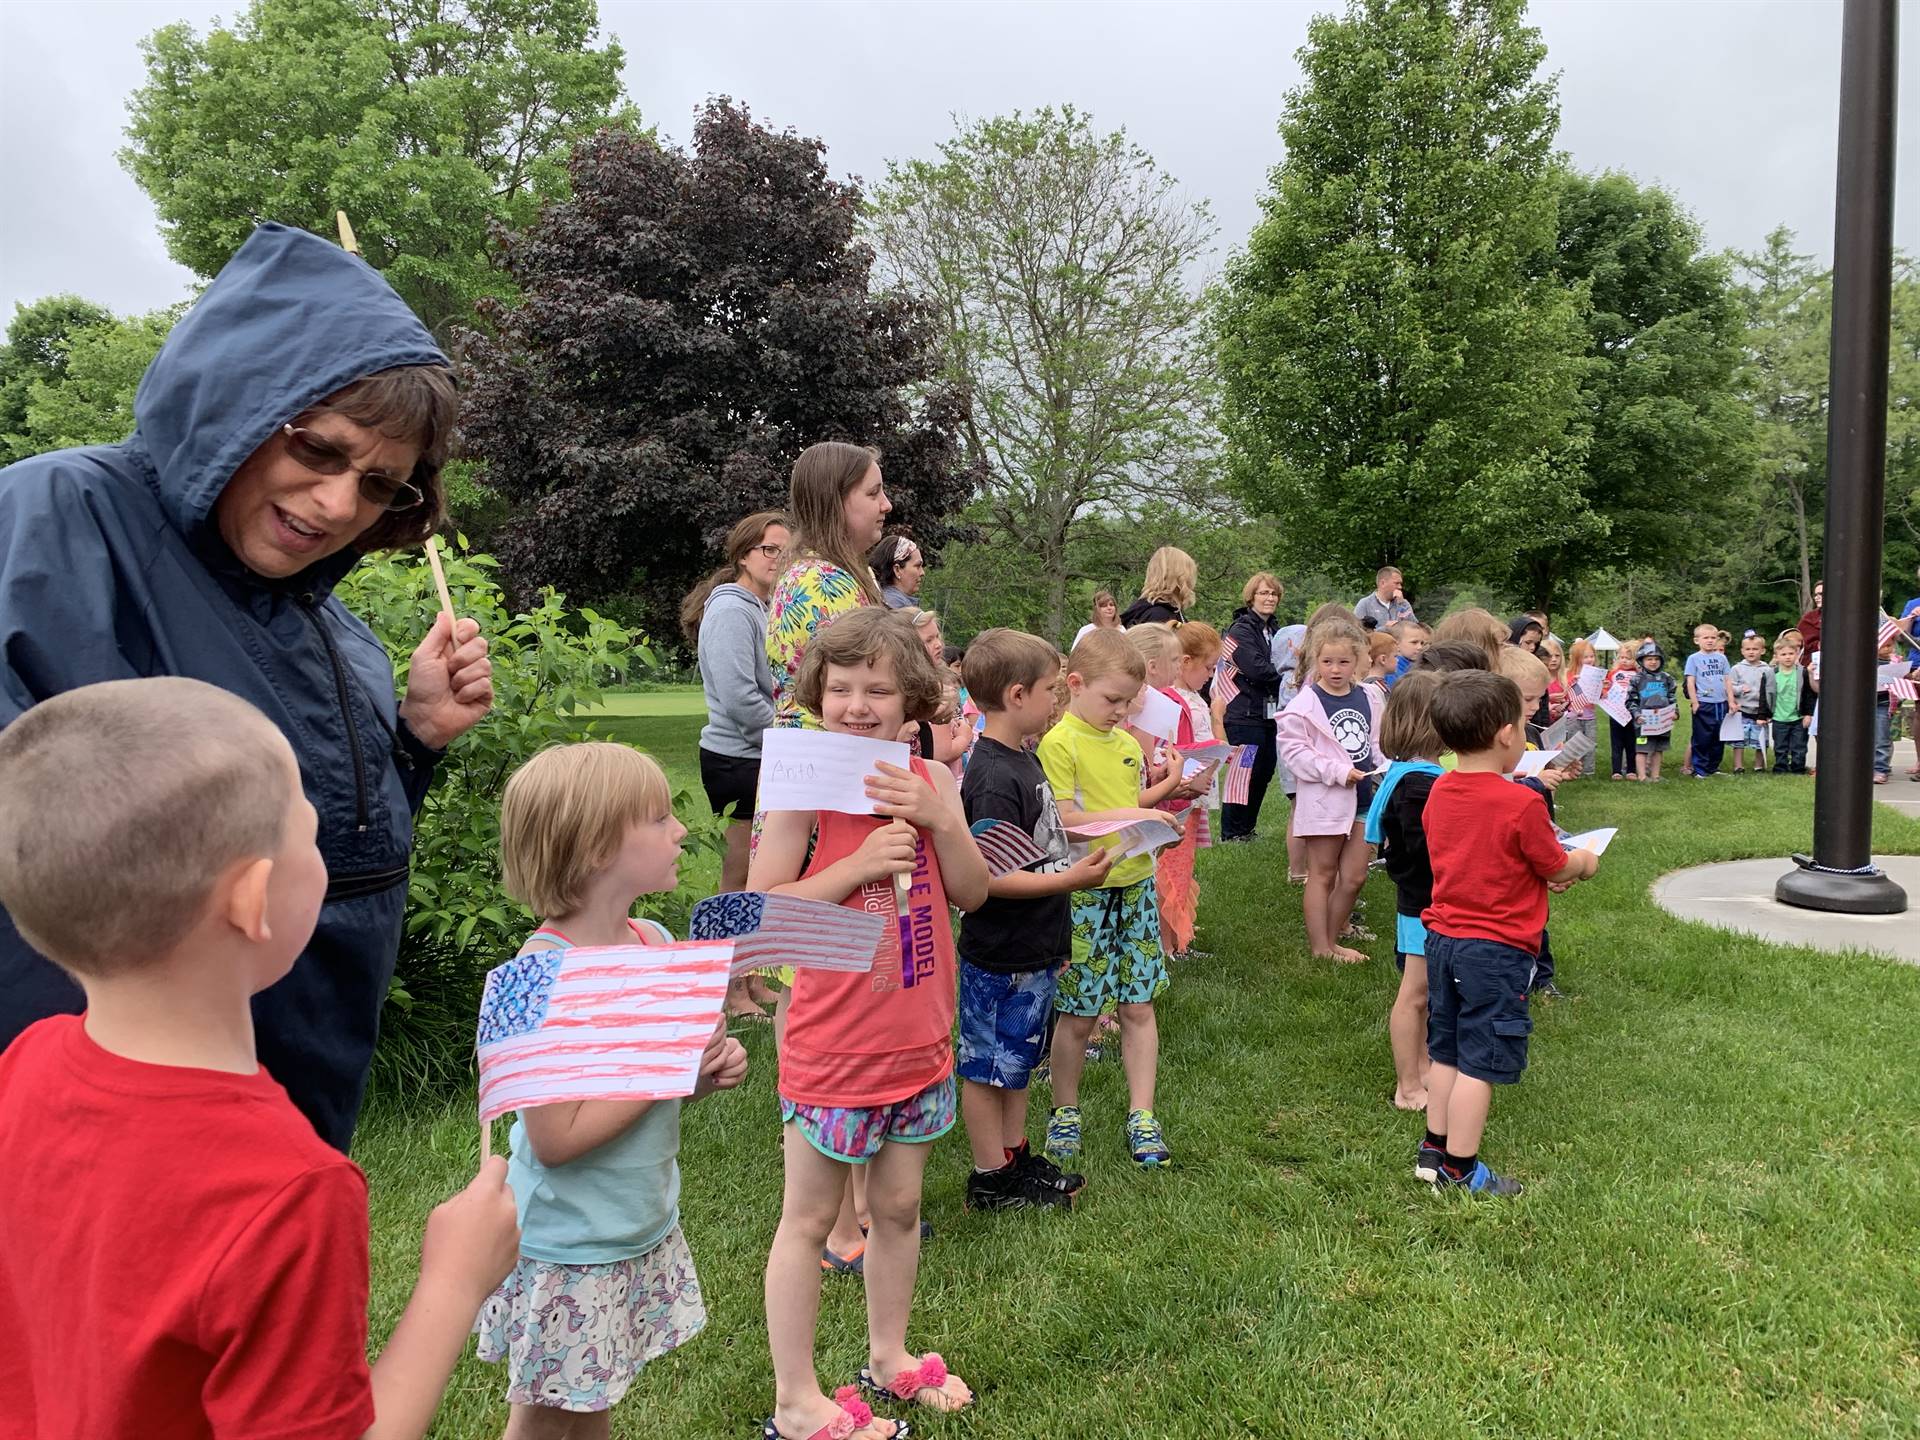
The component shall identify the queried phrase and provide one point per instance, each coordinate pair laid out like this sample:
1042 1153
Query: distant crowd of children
174 874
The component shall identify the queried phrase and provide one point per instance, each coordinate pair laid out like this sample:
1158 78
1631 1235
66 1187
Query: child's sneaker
1063 1135
1478 1181
1043 1171
1144 1140
1426 1162
1013 1188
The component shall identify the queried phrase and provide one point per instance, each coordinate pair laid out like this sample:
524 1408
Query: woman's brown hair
741 541
416 403
823 477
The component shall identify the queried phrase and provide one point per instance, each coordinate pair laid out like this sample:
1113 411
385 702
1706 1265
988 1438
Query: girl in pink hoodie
1326 738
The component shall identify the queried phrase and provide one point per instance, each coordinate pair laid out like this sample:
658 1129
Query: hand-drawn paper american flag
1239 776
1226 681
769 930
1005 847
614 1022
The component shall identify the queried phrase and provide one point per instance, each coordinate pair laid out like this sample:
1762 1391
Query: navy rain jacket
111 568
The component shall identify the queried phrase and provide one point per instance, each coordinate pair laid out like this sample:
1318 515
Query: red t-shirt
1492 846
180 1255
863 1038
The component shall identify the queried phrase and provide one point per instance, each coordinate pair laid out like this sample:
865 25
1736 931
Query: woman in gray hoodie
724 618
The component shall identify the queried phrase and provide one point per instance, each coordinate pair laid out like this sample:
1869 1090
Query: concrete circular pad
1738 895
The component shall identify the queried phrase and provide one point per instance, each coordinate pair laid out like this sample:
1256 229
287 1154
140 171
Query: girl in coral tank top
866 1058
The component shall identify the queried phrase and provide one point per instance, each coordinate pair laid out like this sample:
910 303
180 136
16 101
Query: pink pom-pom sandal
854 1417
912 1383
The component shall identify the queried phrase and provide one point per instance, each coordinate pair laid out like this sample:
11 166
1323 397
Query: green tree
427 121
1400 364
1784 380
90 402
1661 430
36 350
1056 258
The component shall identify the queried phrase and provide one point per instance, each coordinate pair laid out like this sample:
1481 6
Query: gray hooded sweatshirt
734 672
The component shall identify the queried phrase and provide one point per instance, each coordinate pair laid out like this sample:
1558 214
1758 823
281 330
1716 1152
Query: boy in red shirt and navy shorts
1495 854
184 1258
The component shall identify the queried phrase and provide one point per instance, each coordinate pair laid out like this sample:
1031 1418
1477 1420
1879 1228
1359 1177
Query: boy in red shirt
182 1255
1494 854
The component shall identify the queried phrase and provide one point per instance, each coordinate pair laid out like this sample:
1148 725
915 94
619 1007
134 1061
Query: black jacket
1149 612
1248 643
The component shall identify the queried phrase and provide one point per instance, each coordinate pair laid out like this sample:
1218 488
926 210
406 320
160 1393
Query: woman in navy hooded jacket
295 419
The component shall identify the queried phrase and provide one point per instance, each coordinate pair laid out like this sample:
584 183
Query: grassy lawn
1719 1138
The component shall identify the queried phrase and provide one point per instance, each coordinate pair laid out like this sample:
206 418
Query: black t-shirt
1011 937
1352 720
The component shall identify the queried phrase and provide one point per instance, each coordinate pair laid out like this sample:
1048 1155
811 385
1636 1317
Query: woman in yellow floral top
839 508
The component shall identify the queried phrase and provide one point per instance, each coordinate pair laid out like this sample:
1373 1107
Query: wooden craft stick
347 242
440 583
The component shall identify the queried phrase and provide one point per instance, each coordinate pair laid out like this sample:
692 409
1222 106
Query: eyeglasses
315 452
772 552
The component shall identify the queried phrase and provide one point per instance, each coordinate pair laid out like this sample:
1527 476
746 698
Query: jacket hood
1519 626
1651 648
290 319
732 592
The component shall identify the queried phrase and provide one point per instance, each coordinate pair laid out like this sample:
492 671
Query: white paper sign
1592 680
1578 747
1533 762
1594 840
1159 716
1614 701
1214 753
1659 722
1733 726
815 770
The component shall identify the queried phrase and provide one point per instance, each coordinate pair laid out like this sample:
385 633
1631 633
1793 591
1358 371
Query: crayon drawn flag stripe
770 930
621 1022
1005 847
1239 776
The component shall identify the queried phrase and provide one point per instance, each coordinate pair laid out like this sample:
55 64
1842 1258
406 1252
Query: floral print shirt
812 594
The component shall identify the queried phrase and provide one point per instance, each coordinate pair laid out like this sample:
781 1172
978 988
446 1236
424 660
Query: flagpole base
1839 892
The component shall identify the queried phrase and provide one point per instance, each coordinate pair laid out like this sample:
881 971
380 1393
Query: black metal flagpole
1840 875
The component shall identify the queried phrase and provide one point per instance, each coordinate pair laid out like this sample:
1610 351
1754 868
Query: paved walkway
1738 894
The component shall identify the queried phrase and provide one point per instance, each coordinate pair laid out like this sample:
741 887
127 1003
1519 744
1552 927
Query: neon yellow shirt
1097 770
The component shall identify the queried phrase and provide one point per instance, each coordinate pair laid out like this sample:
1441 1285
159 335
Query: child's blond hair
566 812
1106 652
1154 641
121 806
1339 628
1522 667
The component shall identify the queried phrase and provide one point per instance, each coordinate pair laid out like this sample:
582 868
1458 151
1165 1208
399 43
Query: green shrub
549 665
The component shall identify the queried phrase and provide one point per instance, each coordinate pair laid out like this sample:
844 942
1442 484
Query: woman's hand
902 795
449 684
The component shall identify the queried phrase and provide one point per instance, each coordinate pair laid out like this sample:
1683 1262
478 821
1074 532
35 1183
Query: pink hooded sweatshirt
1322 805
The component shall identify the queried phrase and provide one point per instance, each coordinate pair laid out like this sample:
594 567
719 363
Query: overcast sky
1732 105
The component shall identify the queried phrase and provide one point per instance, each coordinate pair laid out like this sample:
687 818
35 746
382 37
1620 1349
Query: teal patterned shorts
1123 962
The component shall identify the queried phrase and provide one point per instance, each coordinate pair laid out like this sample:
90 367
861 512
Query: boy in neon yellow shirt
1095 769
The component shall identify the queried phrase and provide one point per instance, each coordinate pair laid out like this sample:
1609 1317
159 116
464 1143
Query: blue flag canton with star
515 1001
728 916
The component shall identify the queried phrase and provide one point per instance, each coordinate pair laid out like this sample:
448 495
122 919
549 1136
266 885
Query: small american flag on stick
1889 632
1898 690
614 1022
1226 681
769 930
1005 847
1239 776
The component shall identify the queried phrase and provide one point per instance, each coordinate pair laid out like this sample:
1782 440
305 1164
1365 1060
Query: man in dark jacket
296 418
